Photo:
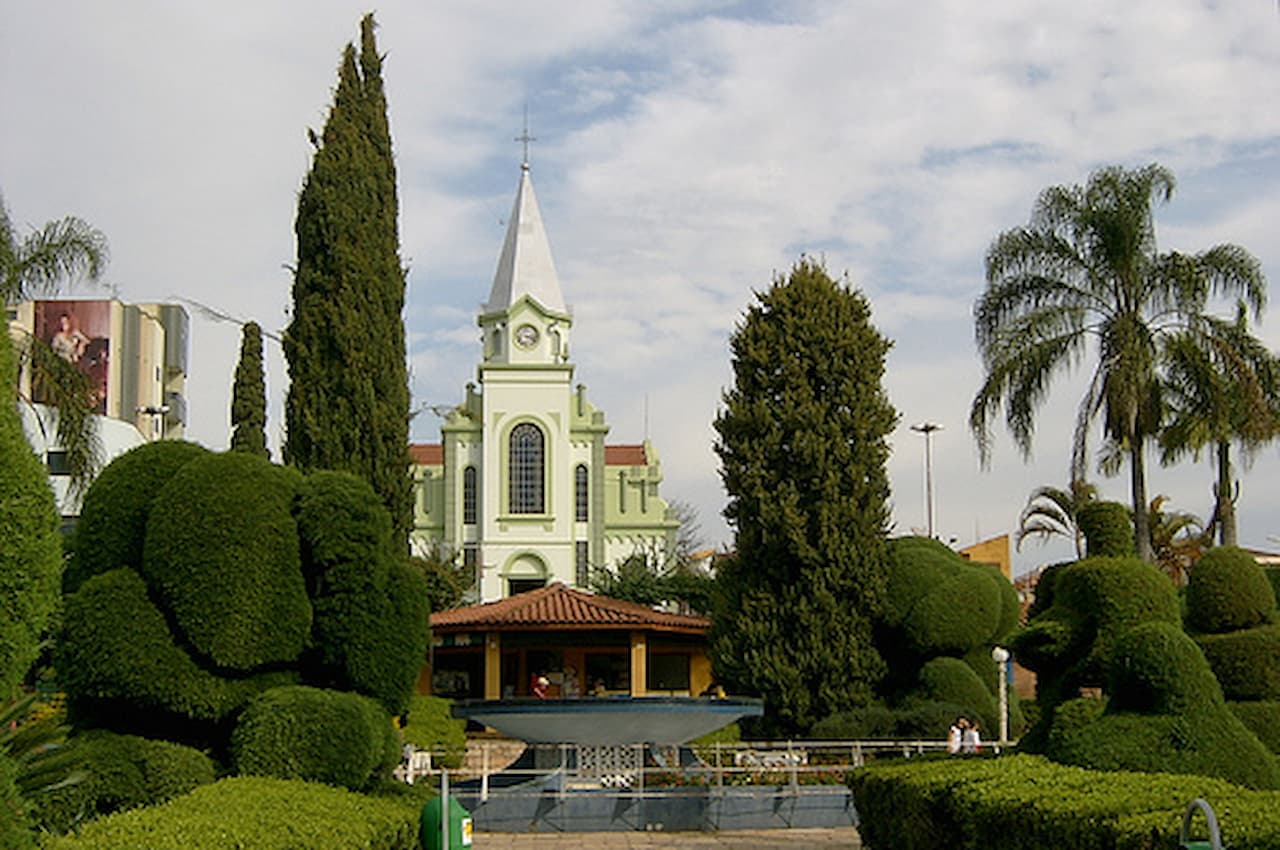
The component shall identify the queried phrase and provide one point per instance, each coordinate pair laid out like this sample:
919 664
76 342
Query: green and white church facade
522 484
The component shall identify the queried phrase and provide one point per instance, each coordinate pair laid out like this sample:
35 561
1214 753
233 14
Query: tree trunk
1225 497
1141 510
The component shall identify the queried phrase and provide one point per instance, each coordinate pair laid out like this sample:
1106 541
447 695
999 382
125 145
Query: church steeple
525 267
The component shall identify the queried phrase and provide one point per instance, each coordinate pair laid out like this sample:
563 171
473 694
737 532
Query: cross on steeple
524 138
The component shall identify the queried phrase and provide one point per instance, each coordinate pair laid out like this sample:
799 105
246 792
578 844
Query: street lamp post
1000 656
927 428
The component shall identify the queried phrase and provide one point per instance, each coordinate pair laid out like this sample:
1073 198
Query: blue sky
686 153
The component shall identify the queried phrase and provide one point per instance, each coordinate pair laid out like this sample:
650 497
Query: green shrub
372 626
950 680
1263 720
299 732
115 648
122 772
1246 662
858 724
113 520
1227 591
222 556
914 563
30 548
257 812
1165 713
15 819
1027 803
432 726
1273 578
1107 529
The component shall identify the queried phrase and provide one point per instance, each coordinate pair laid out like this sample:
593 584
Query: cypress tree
30 548
249 397
348 400
802 445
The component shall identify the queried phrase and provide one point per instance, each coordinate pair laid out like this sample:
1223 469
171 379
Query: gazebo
583 645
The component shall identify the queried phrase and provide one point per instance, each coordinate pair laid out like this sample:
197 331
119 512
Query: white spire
525 266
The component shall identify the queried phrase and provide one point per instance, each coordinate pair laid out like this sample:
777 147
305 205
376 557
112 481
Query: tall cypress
802 440
348 401
249 396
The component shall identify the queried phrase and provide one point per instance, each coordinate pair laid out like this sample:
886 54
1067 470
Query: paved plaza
845 838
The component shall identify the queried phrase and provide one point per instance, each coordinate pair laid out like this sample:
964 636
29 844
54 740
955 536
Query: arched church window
526 473
581 492
469 495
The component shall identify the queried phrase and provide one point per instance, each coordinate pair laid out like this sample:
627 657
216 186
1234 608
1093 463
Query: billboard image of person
80 333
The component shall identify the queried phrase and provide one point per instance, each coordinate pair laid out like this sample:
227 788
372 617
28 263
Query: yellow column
492 665
639 664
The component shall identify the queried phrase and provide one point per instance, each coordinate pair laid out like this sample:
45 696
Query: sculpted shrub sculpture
224 577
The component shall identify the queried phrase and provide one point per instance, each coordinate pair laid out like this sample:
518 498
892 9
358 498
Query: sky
687 153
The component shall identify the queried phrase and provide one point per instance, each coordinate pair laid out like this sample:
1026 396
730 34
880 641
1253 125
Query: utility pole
927 428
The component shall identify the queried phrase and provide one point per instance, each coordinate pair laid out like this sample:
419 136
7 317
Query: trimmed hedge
1107 529
1263 720
113 521
1247 662
1227 591
1165 713
258 812
1028 803
115 646
122 772
432 726
950 680
221 553
299 732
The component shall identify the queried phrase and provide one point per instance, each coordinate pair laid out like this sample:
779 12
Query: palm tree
1086 273
1221 388
1178 539
1052 510
39 263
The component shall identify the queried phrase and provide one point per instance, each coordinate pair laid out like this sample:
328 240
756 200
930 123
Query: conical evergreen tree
802 446
249 396
348 401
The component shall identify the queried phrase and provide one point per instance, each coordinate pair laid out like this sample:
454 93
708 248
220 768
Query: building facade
522 485
135 357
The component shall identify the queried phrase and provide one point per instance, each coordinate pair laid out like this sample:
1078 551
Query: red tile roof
426 454
631 455
563 608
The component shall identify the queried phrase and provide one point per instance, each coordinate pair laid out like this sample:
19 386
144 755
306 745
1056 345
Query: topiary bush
300 732
1107 529
122 772
1165 713
431 726
222 555
1227 591
1247 662
113 519
950 680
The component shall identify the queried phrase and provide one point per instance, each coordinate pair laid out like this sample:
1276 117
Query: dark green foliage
113 521
258 812
298 732
222 557
122 772
950 680
1226 591
1273 576
431 726
348 400
1165 713
1262 717
1107 529
30 549
372 625
860 724
645 579
15 819
1246 663
446 577
116 648
249 396
1027 803
802 442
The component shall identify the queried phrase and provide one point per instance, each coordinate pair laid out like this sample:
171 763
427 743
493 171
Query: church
522 483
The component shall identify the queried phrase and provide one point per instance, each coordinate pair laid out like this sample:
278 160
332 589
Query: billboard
80 333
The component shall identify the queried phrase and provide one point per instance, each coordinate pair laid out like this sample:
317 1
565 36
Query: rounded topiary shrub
857 724
1107 529
121 772
1226 591
1246 663
222 554
430 725
1263 720
299 732
950 680
914 566
113 521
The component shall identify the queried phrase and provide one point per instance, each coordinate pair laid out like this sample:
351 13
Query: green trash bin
432 835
